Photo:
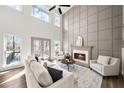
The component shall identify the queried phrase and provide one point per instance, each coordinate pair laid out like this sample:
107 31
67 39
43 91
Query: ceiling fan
59 8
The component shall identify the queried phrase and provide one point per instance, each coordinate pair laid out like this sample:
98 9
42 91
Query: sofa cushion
96 66
103 60
41 74
46 63
55 73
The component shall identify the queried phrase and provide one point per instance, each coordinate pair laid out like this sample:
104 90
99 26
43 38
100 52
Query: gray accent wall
99 25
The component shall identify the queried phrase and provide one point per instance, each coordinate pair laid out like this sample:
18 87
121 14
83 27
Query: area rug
84 77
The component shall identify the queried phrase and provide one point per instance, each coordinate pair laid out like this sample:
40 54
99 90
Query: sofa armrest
108 67
65 82
93 61
112 69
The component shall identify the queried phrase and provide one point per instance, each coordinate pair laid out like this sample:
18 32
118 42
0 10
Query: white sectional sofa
66 82
109 67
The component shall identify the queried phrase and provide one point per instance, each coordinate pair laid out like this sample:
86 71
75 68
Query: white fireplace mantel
88 50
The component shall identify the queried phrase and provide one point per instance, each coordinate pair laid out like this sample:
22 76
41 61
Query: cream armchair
60 55
111 69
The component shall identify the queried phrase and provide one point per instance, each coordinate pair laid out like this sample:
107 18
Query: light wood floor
13 78
16 79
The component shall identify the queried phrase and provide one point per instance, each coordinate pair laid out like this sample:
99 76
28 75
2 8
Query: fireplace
80 56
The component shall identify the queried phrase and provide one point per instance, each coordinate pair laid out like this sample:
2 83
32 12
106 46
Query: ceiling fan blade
52 8
60 11
64 5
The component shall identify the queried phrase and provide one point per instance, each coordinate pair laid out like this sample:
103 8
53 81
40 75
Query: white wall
21 23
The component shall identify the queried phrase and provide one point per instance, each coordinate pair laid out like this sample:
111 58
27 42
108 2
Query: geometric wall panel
99 25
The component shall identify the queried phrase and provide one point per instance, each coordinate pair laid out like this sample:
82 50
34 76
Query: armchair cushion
103 60
60 53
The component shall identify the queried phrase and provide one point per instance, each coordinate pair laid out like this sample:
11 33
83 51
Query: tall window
56 47
16 7
40 13
12 49
57 20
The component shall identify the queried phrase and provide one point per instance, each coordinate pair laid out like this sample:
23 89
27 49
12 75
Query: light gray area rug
84 77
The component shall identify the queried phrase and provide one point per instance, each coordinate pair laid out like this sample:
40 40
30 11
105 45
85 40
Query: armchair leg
103 77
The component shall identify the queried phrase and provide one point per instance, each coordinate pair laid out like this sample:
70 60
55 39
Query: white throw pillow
103 60
41 74
42 62
46 63
114 60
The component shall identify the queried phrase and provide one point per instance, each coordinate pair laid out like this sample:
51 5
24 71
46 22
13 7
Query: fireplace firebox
80 56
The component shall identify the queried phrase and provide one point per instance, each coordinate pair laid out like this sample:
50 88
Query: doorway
41 48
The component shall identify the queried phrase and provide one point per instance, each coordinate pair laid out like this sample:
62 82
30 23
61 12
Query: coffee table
68 62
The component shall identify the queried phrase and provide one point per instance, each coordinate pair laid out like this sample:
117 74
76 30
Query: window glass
12 49
46 46
56 47
57 20
16 7
40 13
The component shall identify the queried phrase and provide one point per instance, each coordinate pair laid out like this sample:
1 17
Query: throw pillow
55 74
104 60
42 62
37 59
41 74
114 60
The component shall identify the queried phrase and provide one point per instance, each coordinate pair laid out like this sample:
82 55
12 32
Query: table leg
68 67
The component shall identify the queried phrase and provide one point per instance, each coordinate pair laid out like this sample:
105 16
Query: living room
71 39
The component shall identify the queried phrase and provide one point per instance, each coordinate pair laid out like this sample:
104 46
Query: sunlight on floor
18 75
1 73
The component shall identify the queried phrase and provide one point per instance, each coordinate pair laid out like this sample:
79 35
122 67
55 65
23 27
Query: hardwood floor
13 78
113 82
16 79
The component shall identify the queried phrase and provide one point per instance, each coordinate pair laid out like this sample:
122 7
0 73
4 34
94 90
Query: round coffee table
68 62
